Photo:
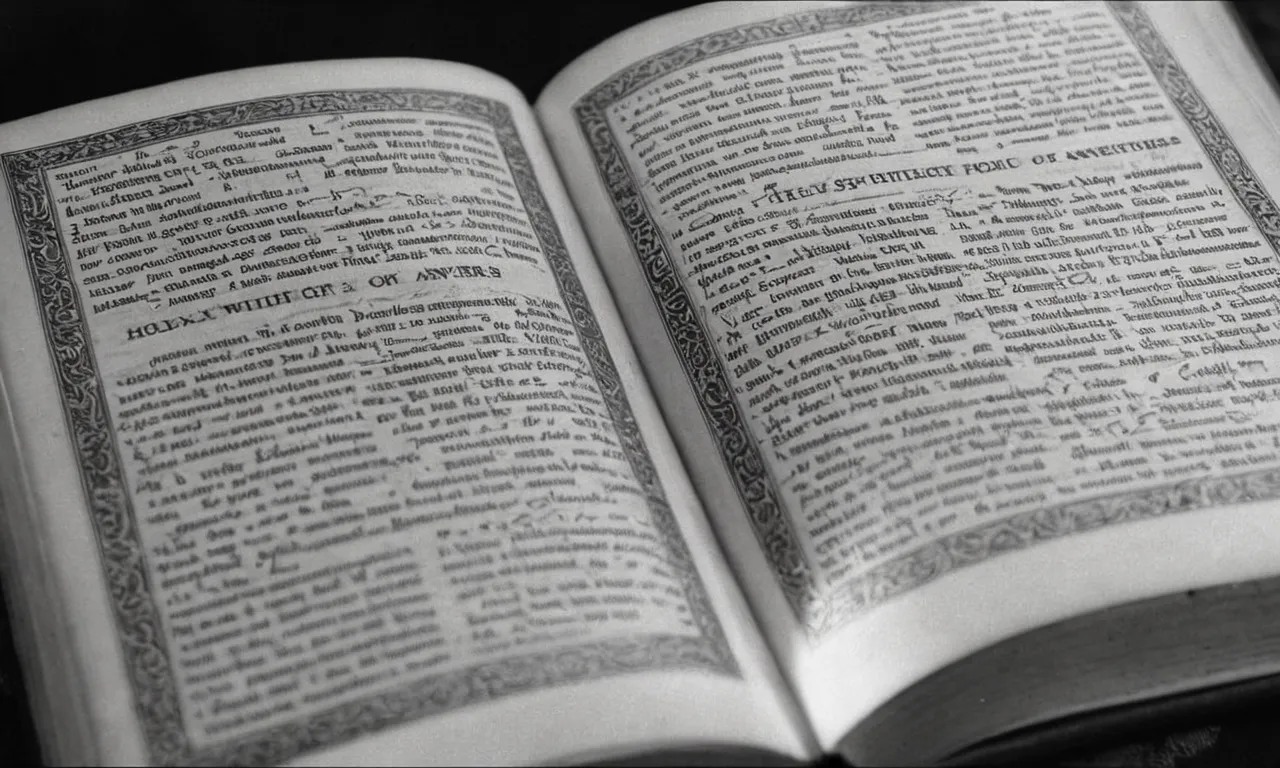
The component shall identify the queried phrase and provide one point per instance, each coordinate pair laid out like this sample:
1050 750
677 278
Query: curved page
339 450
965 309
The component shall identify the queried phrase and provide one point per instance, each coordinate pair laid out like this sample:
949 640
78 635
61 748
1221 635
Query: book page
335 444
964 310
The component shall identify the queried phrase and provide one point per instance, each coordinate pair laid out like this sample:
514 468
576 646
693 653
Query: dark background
53 54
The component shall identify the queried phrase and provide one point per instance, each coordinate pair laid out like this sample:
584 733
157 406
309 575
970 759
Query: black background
53 54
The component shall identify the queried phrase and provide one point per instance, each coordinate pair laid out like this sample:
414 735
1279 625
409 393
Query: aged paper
949 290
358 443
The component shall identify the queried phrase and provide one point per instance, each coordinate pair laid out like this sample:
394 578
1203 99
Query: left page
330 447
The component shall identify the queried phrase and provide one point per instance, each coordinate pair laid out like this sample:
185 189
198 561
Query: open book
890 380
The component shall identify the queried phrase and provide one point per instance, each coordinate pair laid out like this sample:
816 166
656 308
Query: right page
963 314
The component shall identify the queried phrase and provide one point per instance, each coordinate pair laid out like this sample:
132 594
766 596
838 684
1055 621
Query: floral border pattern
139 621
818 611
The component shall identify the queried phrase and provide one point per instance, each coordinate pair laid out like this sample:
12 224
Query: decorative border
820 613
720 410
123 557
